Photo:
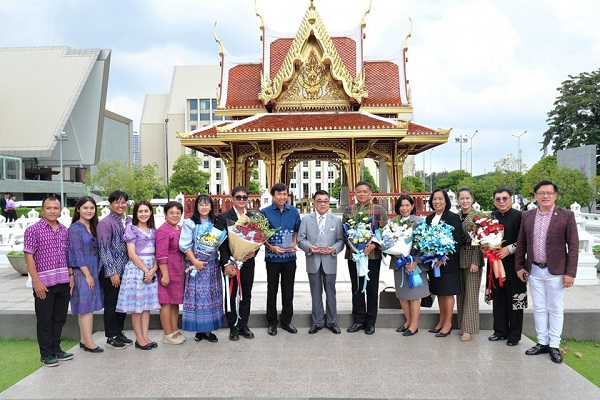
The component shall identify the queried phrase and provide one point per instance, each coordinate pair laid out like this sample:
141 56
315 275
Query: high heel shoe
442 334
98 349
435 330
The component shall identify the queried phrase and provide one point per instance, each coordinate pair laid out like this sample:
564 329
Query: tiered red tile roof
382 84
243 86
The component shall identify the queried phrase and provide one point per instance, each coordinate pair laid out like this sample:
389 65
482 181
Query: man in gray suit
321 237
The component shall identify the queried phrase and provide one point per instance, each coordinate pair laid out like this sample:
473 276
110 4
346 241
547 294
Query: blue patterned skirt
135 295
203 299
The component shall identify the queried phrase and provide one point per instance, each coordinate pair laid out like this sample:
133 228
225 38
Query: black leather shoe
512 342
369 330
98 349
314 329
198 337
211 337
555 355
401 329
408 332
334 328
234 334
538 349
434 330
272 330
145 347
289 327
442 334
495 338
247 333
355 328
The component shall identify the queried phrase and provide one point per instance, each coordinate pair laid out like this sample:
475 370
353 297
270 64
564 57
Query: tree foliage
412 184
575 119
482 187
450 182
335 190
545 169
187 177
140 182
369 178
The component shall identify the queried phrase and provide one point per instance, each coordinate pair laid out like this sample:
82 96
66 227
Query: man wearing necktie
321 237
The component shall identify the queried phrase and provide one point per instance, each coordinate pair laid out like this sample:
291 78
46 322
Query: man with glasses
239 196
547 255
364 308
509 296
321 237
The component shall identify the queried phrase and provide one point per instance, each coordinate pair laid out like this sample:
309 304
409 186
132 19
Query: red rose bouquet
488 233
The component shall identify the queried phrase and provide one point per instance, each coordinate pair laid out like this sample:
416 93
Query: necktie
321 225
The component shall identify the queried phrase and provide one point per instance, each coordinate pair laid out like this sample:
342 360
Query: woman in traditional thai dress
170 262
82 258
139 289
203 293
471 268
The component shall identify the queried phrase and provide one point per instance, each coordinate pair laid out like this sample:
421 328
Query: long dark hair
203 198
399 203
77 214
136 207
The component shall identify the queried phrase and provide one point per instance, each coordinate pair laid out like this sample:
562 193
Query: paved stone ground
324 365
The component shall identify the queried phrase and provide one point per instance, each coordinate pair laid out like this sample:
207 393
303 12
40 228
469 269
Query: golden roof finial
364 18
221 48
407 36
262 21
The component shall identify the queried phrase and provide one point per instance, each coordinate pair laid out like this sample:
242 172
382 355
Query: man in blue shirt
280 257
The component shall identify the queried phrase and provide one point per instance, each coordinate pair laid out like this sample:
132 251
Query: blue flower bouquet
435 242
358 229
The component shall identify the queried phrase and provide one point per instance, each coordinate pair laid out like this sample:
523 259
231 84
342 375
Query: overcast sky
490 66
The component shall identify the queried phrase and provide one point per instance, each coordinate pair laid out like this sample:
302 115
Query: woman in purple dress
83 259
170 274
203 293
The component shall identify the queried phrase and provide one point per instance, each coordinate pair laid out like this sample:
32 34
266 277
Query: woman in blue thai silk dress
139 289
203 293
82 259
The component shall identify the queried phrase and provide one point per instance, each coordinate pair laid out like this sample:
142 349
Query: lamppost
167 157
430 172
519 149
60 138
471 147
461 139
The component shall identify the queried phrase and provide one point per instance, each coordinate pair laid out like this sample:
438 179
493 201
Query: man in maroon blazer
546 258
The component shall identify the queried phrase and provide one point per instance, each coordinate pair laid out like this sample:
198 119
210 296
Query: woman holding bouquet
471 267
410 299
203 293
447 285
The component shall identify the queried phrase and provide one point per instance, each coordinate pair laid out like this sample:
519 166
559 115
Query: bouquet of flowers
358 228
395 237
488 233
435 241
207 241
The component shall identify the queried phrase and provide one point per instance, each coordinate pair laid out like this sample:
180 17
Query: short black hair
278 187
544 183
116 195
50 197
363 183
446 197
503 189
399 203
238 189
320 192
172 204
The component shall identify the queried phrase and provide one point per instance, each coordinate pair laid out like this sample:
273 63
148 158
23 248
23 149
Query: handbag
388 299
428 301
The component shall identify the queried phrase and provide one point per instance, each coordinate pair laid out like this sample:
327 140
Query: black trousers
246 280
51 314
364 305
287 271
507 322
114 321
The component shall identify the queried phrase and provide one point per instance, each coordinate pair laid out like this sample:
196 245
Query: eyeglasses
542 194
501 199
322 201
204 205
241 198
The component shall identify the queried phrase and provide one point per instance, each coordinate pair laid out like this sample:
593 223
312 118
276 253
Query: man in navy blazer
321 236
546 258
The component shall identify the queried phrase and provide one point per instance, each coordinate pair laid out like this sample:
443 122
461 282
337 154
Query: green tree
412 184
575 119
506 173
482 187
573 186
367 177
140 182
450 182
545 169
187 177
335 190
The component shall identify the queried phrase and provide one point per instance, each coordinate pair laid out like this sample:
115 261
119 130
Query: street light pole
430 172
61 137
471 147
167 157
519 150
461 140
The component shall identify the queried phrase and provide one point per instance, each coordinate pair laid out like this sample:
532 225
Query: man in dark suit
321 237
3 201
239 197
546 258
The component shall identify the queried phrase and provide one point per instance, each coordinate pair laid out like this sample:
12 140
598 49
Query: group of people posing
124 265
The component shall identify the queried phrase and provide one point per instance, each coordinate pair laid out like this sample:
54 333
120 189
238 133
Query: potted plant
17 260
596 251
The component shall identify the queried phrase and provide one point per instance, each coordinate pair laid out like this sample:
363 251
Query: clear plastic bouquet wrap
435 241
358 228
488 233
206 242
